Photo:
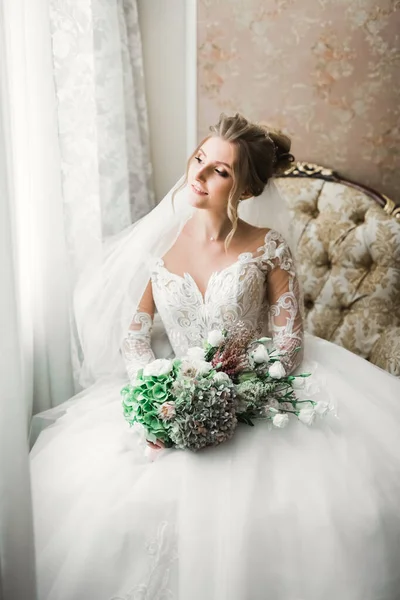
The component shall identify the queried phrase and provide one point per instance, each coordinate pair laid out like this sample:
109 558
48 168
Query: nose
201 173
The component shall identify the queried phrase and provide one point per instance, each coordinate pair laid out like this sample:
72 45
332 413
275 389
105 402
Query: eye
198 159
222 173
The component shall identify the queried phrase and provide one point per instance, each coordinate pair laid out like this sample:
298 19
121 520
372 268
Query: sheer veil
111 288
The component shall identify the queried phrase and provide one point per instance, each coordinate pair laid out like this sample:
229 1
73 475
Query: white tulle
294 513
269 210
289 514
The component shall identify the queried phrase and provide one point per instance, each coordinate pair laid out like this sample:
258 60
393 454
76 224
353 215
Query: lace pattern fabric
260 289
136 347
285 316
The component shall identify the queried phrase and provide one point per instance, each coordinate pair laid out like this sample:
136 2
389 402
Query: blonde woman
299 513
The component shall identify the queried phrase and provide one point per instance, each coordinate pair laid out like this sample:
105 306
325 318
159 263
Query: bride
301 513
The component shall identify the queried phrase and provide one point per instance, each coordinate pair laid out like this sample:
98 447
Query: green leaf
247 376
244 419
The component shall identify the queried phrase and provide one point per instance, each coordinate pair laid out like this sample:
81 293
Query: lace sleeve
136 347
285 318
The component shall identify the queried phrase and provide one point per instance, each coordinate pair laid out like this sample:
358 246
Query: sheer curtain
103 125
74 168
22 194
103 151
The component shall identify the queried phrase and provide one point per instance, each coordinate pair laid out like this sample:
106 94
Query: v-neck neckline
212 277
243 256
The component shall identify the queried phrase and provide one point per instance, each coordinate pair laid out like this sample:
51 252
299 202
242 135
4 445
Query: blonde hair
261 153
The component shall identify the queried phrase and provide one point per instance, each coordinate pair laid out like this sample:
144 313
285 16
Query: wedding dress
301 513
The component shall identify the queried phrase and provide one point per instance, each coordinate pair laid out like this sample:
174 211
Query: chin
197 201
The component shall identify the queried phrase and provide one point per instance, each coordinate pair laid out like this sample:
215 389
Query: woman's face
210 176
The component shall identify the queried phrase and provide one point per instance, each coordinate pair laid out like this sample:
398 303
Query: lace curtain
74 168
103 126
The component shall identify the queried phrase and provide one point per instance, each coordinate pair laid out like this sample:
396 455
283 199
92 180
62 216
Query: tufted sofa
347 246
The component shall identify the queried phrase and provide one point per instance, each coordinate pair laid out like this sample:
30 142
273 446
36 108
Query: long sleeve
136 347
285 318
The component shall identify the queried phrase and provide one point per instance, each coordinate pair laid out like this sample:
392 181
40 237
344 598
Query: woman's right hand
157 445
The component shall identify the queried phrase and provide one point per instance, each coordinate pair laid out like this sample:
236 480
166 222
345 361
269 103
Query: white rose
298 383
321 408
160 366
280 420
221 377
215 338
307 416
260 354
277 370
203 367
196 353
192 368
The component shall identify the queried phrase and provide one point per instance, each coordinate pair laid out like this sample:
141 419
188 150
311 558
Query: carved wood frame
304 169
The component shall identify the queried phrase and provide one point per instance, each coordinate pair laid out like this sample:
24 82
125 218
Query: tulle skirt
301 513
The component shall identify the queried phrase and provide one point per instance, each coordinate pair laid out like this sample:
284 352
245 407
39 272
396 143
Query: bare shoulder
252 234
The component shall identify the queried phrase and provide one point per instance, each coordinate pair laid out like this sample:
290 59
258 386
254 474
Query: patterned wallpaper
326 72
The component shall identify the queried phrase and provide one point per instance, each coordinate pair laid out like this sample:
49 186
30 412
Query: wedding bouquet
198 400
184 403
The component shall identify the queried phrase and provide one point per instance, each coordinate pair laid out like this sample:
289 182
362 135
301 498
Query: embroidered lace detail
285 318
286 326
136 347
233 294
162 553
260 289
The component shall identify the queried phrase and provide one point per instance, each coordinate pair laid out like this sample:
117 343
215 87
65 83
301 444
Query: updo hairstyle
261 153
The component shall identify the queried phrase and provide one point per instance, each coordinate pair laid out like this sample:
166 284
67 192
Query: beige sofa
348 254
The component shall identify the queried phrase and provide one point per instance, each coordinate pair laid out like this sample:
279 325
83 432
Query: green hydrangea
186 412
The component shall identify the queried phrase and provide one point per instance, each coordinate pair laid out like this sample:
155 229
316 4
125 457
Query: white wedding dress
301 513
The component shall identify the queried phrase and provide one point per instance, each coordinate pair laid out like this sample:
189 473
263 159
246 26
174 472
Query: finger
154 446
157 445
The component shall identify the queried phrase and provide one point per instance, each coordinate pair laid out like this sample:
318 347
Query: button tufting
308 303
358 219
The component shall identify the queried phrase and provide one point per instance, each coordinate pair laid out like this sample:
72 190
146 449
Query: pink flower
167 410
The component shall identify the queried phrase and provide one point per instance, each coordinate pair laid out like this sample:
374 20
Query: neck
211 226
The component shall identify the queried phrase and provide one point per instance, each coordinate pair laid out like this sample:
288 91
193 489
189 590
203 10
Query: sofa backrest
348 255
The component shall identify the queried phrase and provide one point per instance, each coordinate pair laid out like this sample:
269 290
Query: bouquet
198 400
184 403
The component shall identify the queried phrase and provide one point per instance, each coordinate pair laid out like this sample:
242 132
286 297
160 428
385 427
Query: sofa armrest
385 352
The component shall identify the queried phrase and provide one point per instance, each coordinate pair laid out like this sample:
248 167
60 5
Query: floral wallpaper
327 73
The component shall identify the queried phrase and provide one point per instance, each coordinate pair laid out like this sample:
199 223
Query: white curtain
103 126
74 168
20 201
17 573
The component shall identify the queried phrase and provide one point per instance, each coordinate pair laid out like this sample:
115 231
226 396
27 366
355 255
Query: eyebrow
218 162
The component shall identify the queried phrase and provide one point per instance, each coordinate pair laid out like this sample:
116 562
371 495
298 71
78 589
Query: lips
198 190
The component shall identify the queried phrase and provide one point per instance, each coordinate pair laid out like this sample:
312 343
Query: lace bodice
259 289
